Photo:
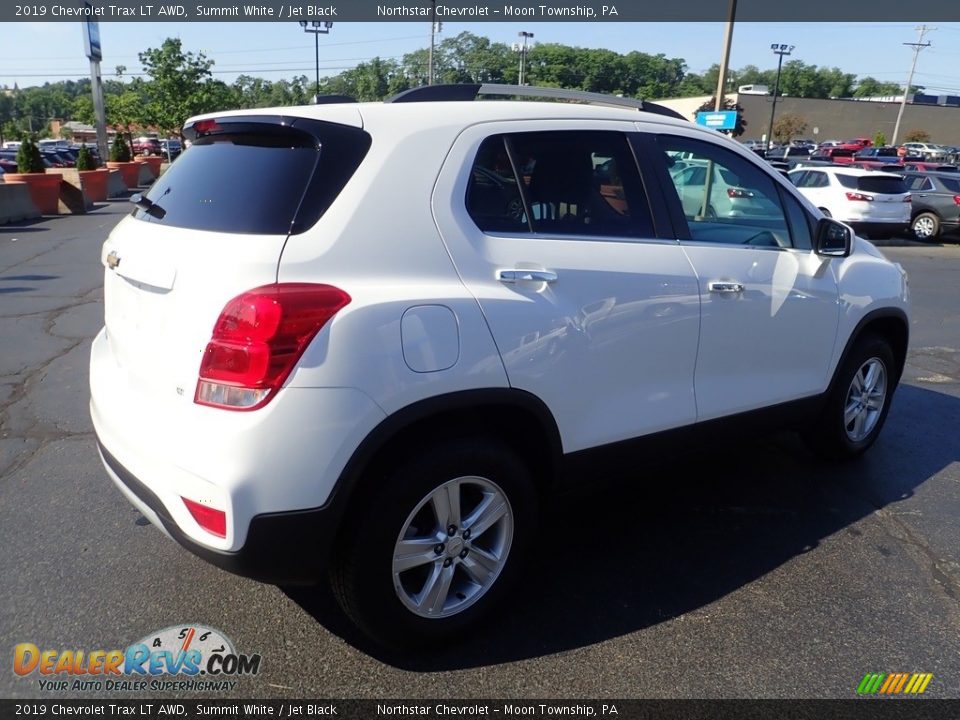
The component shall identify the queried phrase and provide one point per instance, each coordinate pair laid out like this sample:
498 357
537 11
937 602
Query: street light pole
523 53
780 50
318 29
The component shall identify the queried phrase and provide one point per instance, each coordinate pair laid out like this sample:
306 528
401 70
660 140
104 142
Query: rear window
257 178
883 184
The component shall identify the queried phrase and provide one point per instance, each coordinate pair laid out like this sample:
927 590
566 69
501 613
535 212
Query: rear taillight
956 199
210 519
739 193
859 197
908 198
258 339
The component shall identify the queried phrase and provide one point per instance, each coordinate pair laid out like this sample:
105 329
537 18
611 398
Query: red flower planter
129 171
94 184
154 161
44 189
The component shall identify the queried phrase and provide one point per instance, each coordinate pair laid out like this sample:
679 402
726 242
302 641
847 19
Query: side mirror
833 239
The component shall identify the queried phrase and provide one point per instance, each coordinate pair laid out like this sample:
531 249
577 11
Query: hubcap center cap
454 546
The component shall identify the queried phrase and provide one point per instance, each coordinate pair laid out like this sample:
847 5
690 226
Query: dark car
936 203
885 154
788 151
923 166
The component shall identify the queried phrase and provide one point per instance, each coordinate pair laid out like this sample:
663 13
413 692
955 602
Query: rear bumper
288 548
273 472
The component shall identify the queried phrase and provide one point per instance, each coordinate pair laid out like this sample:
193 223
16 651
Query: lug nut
439 549
447 562
463 553
452 530
466 534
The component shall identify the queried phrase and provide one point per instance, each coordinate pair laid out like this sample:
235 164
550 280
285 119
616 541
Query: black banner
479 11
859 709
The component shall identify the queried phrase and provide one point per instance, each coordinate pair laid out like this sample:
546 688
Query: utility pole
725 58
435 27
917 47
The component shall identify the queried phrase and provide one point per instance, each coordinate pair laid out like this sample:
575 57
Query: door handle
725 287
514 276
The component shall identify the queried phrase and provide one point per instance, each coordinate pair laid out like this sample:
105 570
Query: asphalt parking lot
749 570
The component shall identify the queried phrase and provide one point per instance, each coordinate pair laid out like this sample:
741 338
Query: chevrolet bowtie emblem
113 260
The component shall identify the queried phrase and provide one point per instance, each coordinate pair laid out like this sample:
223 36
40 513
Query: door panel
595 317
769 304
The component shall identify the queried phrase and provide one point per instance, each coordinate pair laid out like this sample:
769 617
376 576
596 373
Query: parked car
839 155
857 144
727 196
936 203
916 166
788 151
884 154
354 366
170 149
874 203
146 146
877 165
926 151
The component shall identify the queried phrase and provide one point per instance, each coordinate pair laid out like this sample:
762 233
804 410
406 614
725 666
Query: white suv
877 204
364 341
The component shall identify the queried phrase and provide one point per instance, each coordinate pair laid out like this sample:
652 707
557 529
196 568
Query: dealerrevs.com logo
177 658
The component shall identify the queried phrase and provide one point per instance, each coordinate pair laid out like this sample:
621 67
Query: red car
839 155
857 143
147 146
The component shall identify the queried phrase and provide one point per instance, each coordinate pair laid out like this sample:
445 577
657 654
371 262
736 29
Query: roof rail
452 93
331 99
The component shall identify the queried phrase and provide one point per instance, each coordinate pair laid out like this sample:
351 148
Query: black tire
925 226
362 575
831 436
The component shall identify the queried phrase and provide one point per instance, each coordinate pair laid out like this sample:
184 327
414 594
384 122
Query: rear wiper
148 206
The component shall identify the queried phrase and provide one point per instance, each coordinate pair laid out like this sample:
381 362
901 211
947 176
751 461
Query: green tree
180 85
879 139
788 126
85 159
29 159
917 135
871 87
120 150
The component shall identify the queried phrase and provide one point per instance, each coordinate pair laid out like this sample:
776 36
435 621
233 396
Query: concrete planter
94 184
44 189
154 161
129 171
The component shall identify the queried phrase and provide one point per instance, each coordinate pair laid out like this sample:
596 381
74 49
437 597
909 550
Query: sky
34 53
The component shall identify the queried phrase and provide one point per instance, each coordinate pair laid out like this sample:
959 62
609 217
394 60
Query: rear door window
951 184
257 178
582 183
